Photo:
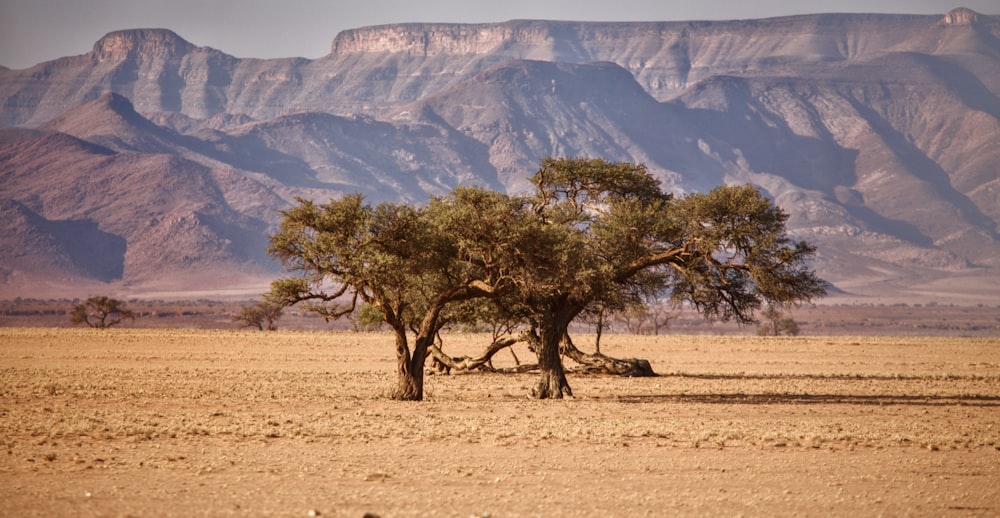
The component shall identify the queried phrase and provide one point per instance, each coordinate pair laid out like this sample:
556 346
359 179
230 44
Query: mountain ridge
663 61
878 134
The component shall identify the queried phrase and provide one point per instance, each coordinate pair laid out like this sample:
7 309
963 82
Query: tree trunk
410 384
599 330
552 384
409 370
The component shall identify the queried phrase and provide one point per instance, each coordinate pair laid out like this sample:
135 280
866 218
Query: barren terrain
151 422
829 318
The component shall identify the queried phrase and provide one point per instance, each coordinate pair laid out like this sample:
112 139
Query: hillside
878 134
78 214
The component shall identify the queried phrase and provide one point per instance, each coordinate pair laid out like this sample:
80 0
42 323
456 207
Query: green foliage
624 241
402 261
100 312
368 317
399 259
737 255
339 252
589 183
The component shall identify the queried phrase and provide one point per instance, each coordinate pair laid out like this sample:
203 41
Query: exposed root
596 363
466 363
600 364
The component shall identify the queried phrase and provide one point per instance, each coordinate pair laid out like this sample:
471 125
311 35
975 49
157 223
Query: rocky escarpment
960 16
433 39
375 68
140 43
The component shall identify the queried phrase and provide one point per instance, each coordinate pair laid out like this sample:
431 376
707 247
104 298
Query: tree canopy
593 234
408 263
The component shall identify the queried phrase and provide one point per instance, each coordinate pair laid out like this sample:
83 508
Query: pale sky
32 31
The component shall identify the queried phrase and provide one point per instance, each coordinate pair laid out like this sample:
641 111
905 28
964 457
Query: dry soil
149 422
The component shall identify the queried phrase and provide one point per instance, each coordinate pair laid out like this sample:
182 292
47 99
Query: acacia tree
617 238
574 267
100 312
391 257
635 317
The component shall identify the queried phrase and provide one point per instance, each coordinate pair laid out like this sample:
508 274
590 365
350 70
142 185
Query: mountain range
150 165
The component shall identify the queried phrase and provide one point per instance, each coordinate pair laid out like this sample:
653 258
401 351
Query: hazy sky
32 31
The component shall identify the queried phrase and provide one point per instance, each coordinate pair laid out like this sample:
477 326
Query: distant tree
100 312
789 327
601 318
661 314
647 316
634 316
776 323
263 315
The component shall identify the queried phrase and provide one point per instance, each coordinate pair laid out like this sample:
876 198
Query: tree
100 312
616 238
562 269
263 315
661 314
647 316
634 316
777 324
741 256
392 257
601 319
594 236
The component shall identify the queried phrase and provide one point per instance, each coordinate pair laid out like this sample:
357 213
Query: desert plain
169 422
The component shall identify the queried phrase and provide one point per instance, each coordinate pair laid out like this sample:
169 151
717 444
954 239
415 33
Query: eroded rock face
442 39
140 43
960 16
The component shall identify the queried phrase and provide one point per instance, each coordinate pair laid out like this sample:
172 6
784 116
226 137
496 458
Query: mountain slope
161 216
382 160
526 110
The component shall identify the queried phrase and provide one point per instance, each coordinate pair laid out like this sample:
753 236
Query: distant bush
777 324
263 315
100 312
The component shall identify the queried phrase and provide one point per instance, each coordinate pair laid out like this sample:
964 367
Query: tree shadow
817 399
741 398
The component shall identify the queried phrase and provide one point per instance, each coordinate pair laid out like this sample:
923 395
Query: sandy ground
142 422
